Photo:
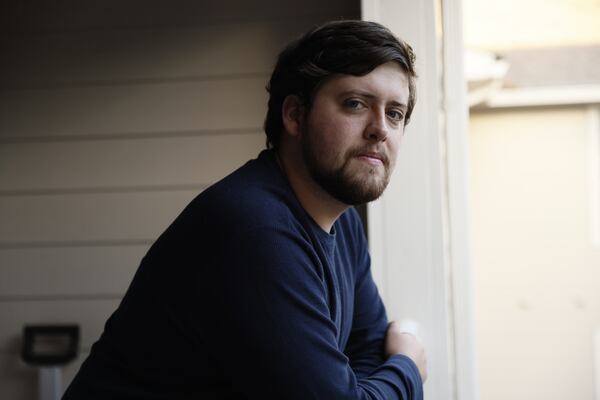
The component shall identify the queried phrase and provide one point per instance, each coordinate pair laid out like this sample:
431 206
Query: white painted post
594 173
596 349
458 232
418 230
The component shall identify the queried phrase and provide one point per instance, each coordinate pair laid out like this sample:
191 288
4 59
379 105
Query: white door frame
419 230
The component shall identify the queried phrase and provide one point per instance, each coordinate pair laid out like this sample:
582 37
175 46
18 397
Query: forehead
388 82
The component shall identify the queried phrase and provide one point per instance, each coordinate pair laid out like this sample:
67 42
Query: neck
322 207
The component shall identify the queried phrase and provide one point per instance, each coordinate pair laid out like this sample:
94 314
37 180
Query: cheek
332 136
344 134
393 149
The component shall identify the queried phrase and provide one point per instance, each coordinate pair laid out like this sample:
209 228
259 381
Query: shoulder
257 194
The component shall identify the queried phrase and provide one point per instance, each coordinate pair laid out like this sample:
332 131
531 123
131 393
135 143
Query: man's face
351 135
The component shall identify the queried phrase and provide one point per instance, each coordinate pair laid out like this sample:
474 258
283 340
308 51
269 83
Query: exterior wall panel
113 116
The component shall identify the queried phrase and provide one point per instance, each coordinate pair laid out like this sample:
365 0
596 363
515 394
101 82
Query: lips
373 157
376 156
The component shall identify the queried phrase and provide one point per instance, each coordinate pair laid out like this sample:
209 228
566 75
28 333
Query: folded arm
271 329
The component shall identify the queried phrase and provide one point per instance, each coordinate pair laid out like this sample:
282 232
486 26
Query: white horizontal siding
94 217
17 380
126 109
109 56
113 116
89 314
31 16
117 164
50 272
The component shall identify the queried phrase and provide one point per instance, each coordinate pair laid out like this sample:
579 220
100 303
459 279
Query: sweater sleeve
365 347
270 331
369 324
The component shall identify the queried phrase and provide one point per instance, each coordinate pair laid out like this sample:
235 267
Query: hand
398 342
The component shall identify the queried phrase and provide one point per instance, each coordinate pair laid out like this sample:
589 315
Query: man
262 287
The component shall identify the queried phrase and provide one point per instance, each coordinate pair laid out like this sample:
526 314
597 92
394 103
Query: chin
354 193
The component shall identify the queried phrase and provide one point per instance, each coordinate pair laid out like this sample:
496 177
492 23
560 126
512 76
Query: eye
395 115
354 104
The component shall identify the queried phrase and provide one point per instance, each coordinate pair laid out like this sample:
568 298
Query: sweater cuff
410 365
409 375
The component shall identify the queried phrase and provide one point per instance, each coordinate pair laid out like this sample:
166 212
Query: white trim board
418 229
594 173
455 167
596 355
545 96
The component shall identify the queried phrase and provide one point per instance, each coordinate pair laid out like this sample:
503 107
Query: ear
292 114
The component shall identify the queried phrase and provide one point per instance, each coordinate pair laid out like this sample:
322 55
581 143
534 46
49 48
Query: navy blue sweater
244 296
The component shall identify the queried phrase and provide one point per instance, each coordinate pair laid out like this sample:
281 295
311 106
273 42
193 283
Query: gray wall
112 118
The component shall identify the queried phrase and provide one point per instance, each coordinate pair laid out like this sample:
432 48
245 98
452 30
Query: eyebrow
372 96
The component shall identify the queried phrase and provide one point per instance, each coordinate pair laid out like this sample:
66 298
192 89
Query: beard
340 181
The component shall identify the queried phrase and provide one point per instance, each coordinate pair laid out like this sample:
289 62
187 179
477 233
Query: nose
377 129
